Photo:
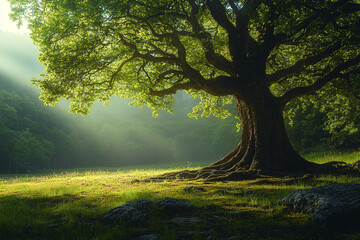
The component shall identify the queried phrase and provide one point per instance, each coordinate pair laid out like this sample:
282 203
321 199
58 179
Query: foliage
330 117
146 50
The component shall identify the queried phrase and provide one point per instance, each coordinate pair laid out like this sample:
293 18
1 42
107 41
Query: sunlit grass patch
323 157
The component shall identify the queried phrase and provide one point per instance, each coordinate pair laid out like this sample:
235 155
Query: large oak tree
261 54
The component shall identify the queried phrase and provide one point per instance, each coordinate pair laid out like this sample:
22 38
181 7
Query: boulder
139 213
334 206
184 221
148 237
133 213
172 207
193 235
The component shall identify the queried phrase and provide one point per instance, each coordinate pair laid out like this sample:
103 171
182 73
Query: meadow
70 204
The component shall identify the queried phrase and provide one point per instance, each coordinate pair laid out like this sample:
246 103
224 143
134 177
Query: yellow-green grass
323 157
71 205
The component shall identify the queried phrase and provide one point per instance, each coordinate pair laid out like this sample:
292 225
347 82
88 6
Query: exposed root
217 174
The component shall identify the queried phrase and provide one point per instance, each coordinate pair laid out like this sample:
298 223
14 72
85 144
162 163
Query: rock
58 222
333 206
183 221
193 235
233 212
133 213
232 238
185 234
194 189
138 213
172 206
53 225
148 237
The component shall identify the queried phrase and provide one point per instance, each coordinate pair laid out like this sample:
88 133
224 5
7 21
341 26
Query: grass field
71 204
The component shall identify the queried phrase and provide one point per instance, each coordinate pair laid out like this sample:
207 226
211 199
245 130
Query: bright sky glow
6 24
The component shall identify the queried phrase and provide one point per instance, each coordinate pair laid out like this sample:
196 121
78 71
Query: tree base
212 174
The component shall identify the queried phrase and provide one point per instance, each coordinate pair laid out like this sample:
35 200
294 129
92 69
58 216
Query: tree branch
335 73
215 59
173 89
218 12
164 75
113 76
338 8
237 40
301 64
234 7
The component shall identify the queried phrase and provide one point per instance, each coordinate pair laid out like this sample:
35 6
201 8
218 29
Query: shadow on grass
65 217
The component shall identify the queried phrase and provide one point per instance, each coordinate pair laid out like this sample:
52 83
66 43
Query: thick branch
168 75
215 59
300 65
338 8
336 73
243 15
223 86
218 12
219 86
237 40
242 23
234 7
172 90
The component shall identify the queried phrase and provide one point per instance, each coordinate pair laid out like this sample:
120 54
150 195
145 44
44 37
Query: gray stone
132 213
183 221
53 225
233 212
185 234
138 213
58 222
335 205
232 238
172 206
148 237
192 234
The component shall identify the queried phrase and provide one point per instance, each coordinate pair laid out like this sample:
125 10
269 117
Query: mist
114 135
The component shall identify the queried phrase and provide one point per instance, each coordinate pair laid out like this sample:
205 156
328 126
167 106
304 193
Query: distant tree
260 54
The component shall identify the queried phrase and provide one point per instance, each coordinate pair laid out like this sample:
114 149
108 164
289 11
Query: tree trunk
264 146
264 143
